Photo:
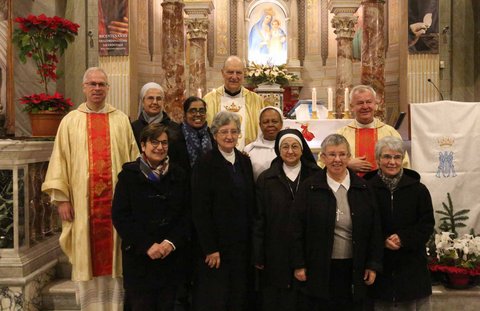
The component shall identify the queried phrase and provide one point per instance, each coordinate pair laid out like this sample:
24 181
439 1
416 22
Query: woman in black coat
149 212
276 189
406 212
337 243
223 201
193 139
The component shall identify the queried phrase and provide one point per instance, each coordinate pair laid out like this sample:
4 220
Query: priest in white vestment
91 145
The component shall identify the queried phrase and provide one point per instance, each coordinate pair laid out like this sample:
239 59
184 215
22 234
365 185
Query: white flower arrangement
257 74
457 254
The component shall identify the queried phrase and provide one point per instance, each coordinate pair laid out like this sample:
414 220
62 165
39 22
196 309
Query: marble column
173 57
197 35
197 30
344 29
373 50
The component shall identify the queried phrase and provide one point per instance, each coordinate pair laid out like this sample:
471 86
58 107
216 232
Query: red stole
365 140
101 193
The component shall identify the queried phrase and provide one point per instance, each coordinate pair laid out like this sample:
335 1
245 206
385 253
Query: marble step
59 295
63 268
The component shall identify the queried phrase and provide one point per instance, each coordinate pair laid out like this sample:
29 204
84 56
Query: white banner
445 151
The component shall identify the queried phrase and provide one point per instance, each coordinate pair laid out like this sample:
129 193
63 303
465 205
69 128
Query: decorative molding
197 28
344 26
301 31
324 32
150 29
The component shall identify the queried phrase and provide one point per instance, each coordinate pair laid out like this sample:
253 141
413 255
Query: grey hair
335 140
361 89
391 142
93 69
224 118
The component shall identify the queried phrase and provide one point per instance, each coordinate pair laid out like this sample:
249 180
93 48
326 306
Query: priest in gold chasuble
363 133
91 145
233 97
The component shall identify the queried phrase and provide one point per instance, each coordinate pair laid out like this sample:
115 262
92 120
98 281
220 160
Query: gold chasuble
365 140
101 189
89 151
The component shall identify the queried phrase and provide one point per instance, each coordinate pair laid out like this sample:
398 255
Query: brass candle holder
331 115
347 115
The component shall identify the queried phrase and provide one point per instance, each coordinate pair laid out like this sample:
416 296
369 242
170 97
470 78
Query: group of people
193 221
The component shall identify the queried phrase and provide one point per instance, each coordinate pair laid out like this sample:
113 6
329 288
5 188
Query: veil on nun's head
307 157
143 91
260 134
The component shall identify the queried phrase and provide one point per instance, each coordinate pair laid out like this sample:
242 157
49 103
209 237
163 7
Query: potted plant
44 39
268 74
459 258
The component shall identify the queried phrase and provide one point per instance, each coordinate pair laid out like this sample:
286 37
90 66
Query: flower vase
458 280
45 123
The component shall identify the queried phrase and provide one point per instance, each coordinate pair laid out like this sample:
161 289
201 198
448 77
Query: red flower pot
458 280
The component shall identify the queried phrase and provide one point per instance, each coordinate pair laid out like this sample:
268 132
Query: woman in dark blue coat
406 212
276 189
149 212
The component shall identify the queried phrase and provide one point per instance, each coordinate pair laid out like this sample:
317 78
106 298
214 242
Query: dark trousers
225 288
340 296
157 299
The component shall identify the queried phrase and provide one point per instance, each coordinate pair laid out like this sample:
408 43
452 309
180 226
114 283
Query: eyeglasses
232 132
155 143
200 111
333 156
153 98
93 85
287 147
388 157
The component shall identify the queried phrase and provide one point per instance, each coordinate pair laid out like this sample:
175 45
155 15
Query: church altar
320 128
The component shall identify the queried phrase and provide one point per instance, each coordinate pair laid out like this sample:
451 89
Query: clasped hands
160 251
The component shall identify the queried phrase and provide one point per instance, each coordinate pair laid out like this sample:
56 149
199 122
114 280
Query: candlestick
347 94
199 93
330 99
314 99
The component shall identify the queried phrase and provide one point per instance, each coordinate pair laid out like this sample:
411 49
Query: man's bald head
233 73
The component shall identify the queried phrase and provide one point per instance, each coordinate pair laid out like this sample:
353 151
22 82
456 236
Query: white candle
199 93
330 99
346 99
314 99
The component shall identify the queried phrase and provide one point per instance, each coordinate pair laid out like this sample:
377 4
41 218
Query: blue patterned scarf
153 174
198 141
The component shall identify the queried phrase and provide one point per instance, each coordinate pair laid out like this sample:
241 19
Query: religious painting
267 34
423 26
4 52
113 27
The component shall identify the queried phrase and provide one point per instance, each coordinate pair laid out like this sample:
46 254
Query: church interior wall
458 79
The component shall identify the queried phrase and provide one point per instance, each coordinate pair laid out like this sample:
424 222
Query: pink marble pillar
344 29
373 50
197 30
173 57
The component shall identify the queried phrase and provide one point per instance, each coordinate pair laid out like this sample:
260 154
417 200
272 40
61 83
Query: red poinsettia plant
44 39
44 102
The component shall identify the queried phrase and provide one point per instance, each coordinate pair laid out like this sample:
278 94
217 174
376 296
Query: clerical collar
370 125
233 94
334 185
102 110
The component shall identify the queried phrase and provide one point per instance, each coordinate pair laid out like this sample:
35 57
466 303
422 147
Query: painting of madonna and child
267 35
